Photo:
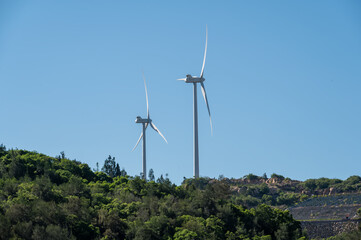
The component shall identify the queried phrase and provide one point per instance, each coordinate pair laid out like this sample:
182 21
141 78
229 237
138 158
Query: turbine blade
206 100
205 52
146 95
141 135
182 79
156 129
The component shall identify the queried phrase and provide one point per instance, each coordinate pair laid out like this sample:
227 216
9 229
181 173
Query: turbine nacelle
142 120
192 79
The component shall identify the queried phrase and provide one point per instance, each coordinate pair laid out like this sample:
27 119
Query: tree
151 175
185 234
17 167
251 177
2 147
97 167
118 173
112 169
2 150
280 177
123 173
353 180
110 166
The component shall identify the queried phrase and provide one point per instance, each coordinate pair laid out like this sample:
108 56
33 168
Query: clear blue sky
283 80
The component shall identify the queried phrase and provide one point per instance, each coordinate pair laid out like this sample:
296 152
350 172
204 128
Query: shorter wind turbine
145 122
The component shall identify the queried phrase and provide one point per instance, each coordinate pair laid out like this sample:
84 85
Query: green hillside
43 197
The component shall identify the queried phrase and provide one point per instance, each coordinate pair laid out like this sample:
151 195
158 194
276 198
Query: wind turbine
195 80
145 122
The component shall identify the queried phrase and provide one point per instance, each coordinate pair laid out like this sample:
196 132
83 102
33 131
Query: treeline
312 186
351 184
42 197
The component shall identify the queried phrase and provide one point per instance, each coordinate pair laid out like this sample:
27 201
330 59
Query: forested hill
43 197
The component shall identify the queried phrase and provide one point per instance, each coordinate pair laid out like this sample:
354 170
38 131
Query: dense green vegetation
42 197
351 184
354 235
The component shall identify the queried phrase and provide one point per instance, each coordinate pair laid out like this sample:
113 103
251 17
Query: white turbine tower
195 80
146 121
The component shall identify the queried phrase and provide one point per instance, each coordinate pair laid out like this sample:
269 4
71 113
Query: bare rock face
332 191
326 191
272 180
234 189
242 190
212 181
305 192
245 181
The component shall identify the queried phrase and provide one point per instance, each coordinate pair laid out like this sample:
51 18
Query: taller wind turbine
194 79
145 122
